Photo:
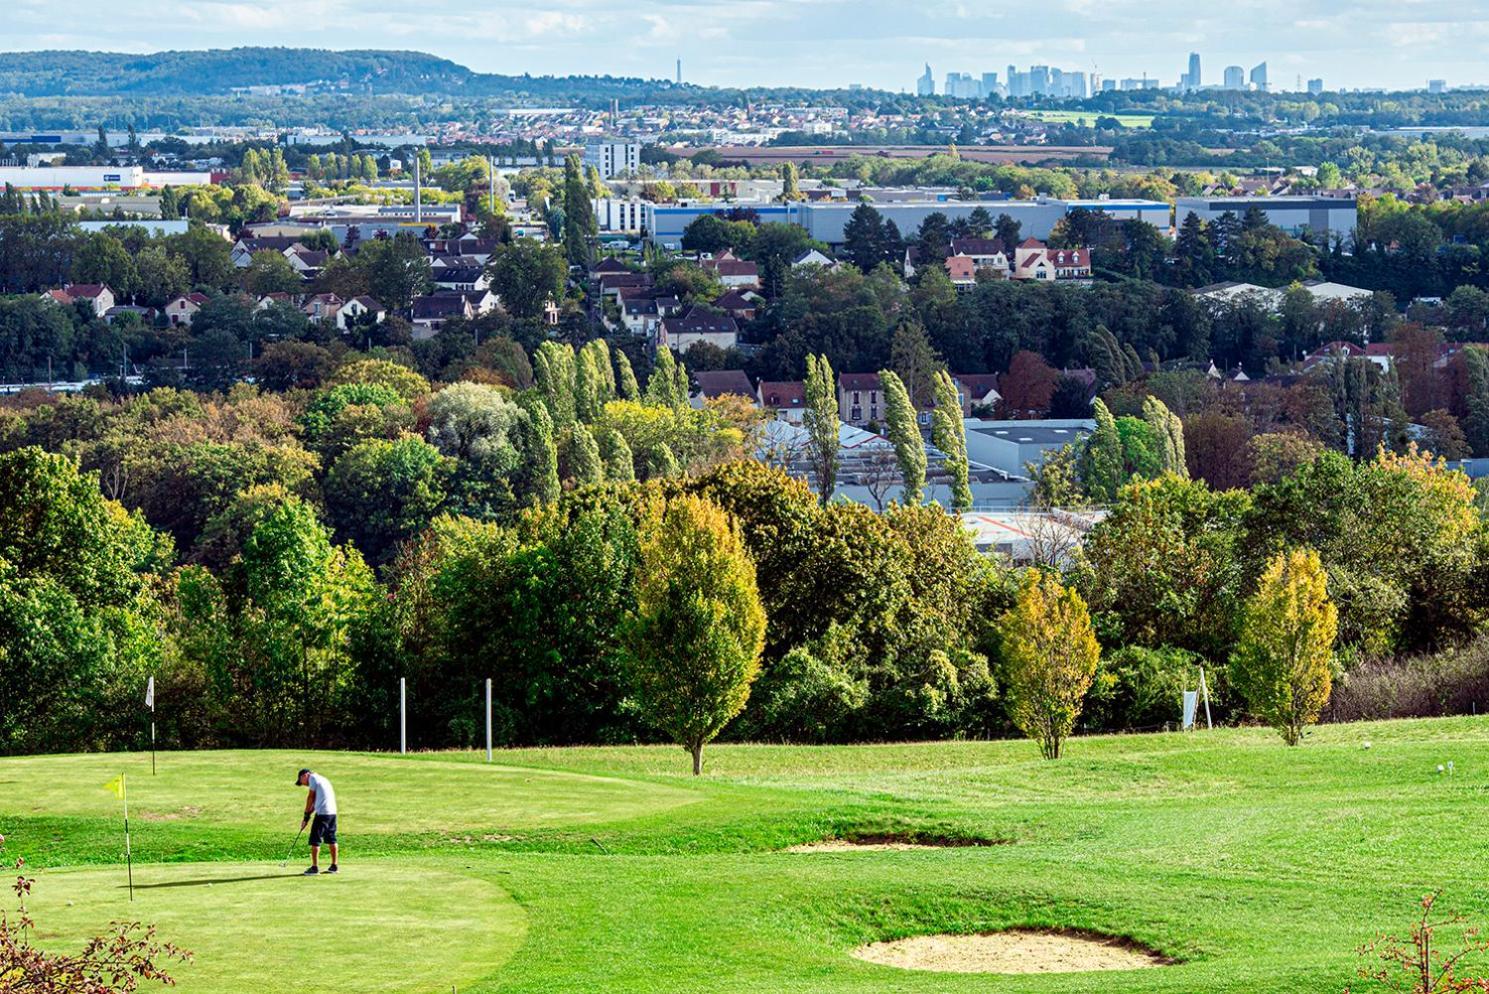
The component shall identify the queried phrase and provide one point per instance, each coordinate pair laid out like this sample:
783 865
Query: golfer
320 815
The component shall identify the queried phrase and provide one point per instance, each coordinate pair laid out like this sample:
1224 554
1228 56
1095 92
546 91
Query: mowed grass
257 927
1088 118
1259 868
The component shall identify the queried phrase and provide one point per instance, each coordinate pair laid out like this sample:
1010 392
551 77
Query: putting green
253 927
375 793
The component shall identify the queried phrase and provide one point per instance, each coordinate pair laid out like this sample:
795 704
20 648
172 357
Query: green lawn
1258 867
1089 117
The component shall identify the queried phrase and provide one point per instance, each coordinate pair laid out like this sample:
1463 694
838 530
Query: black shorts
323 829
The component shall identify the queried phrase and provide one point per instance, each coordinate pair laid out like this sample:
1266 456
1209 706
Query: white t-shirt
325 794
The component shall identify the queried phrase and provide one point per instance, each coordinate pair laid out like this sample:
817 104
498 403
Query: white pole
402 715
488 719
1205 689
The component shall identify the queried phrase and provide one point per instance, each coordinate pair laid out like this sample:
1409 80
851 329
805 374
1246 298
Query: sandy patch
889 843
1019 951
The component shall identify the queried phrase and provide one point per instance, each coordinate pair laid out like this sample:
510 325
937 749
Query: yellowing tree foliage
692 644
1050 655
1281 665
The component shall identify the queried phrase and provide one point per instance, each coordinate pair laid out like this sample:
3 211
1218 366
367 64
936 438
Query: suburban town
1018 529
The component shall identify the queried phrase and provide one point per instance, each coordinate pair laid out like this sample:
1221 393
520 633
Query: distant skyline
1397 44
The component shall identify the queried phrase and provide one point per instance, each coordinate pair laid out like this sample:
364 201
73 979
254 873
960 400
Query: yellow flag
117 786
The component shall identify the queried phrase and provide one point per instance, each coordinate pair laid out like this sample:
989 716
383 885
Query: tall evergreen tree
580 223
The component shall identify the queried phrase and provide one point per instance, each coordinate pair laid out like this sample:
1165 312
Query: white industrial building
95 178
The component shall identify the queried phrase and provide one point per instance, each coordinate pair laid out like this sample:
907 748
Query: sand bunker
890 843
1018 951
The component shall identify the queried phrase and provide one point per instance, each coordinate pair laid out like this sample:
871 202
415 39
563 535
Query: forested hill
218 71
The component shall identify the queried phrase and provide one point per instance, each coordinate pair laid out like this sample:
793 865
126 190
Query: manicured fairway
254 926
1259 868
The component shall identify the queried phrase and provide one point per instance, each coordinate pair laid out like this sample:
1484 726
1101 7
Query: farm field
1071 116
1249 866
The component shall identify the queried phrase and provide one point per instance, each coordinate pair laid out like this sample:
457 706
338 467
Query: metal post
1205 690
488 719
402 715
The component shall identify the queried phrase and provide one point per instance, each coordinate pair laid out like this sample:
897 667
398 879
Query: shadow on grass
214 880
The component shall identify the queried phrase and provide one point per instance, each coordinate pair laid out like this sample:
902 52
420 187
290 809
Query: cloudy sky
1350 43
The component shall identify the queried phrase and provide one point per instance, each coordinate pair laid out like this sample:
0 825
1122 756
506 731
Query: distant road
1009 154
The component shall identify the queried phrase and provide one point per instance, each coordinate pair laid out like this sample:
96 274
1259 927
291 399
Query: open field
1089 117
765 155
1256 867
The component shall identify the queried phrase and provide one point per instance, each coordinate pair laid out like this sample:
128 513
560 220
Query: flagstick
152 741
128 857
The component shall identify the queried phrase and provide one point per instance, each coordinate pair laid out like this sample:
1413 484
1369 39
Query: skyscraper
1259 77
925 86
1192 80
989 84
1235 78
1315 86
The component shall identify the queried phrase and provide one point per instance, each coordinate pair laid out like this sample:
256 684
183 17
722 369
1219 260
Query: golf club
286 860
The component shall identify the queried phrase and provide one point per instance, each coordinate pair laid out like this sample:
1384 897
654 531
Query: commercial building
619 214
1235 78
1259 78
94 178
664 224
613 158
1323 216
1192 80
1012 446
925 86
1315 86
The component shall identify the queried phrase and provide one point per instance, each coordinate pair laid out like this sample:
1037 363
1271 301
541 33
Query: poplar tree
949 434
1101 459
820 419
585 464
625 378
904 433
1169 431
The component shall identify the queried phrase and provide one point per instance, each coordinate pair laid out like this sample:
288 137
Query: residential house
1033 260
697 325
985 253
100 297
182 311
460 278
430 313
962 271
733 271
976 390
268 300
608 266
306 262
860 398
323 307
787 398
357 309
813 257
718 383
741 305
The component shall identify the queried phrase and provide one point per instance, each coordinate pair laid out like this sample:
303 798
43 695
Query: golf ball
1365 745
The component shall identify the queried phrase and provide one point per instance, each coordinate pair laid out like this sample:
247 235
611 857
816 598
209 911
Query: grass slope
1259 867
